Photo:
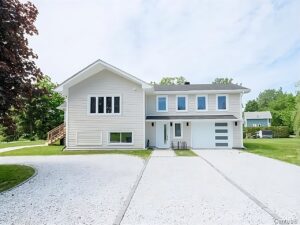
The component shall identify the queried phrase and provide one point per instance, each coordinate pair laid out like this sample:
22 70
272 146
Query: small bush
278 131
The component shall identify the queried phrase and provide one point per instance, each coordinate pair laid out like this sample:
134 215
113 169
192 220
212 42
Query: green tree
223 80
280 104
40 113
18 70
251 106
171 80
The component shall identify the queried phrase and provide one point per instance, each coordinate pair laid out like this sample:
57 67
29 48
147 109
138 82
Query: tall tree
251 106
172 80
18 70
40 113
223 80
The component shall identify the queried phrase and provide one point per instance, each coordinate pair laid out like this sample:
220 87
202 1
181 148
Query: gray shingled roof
194 117
197 87
258 115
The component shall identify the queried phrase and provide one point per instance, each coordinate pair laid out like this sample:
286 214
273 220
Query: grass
185 152
58 150
285 149
12 175
21 143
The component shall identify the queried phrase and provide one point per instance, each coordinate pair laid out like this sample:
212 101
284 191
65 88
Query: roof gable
94 68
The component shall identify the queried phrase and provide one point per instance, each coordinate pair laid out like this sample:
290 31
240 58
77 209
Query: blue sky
257 42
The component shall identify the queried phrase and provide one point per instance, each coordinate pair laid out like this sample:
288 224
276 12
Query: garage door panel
211 135
203 135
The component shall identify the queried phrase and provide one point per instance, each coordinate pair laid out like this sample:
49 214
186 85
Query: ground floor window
120 137
177 130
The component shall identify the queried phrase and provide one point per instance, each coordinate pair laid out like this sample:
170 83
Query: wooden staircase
56 134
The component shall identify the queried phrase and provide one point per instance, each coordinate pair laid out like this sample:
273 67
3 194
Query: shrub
278 131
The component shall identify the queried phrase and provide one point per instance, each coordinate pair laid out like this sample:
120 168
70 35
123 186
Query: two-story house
107 108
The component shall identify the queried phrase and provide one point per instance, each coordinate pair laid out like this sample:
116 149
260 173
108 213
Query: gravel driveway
218 187
86 189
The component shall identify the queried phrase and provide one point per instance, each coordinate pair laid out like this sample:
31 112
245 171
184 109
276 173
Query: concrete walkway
163 153
19 147
274 183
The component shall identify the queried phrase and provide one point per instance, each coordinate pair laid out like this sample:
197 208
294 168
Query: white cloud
256 42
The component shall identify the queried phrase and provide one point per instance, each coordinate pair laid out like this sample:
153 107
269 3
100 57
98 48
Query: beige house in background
107 108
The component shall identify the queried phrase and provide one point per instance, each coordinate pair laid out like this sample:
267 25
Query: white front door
162 134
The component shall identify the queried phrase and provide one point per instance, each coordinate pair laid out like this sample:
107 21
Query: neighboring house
257 119
107 108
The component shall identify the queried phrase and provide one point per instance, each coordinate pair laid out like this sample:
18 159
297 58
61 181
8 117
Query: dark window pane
221 124
93 105
221 137
116 104
177 130
108 105
221 131
181 103
126 137
100 104
221 144
114 138
201 103
221 102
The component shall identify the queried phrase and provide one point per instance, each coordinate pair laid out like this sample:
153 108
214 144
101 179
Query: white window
222 102
177 130
201 102
181 103
162 103
120 138
104 105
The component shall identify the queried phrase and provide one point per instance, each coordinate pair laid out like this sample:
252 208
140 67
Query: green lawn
12 175
21 143
285 149
185 153
57 150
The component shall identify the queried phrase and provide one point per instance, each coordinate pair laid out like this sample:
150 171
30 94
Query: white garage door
211 135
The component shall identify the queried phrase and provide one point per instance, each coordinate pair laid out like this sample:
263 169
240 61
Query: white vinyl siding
87 138
131 118
234 106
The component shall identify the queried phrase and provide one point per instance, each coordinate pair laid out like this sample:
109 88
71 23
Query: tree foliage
18 70
223 80
40 113
251 106
172 80
280 104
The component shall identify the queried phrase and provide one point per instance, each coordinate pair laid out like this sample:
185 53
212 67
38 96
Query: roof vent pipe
186 83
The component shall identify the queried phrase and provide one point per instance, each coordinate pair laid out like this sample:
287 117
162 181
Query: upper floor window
201 103
105 104
161 104
181 103
222 102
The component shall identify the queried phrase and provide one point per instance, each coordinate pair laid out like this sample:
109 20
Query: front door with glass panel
162 135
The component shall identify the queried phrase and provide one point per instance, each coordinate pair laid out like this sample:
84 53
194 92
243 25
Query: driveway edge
23 182
127 202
